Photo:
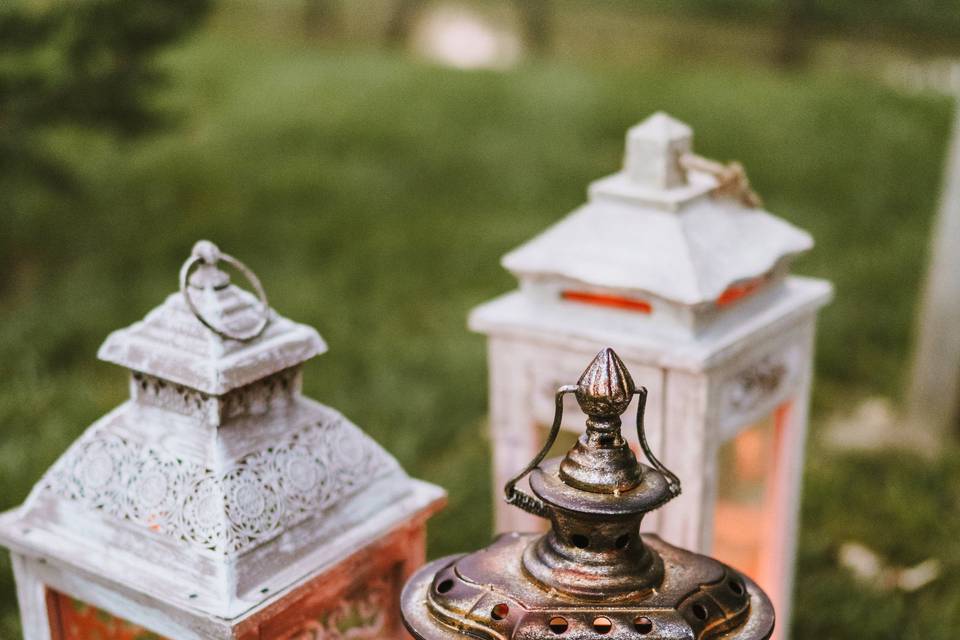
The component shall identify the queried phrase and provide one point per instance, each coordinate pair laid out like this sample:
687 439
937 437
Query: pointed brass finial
605 388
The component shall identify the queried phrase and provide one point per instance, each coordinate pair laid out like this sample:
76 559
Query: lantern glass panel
746 507
72 619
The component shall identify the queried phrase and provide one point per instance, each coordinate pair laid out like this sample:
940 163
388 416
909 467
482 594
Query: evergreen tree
89 63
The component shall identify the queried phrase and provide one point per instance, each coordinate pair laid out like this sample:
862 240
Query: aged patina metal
592 575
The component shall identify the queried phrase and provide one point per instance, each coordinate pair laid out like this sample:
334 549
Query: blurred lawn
374 197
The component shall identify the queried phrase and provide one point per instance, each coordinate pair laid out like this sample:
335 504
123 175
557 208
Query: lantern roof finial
206 251
653 152
601 461
207 275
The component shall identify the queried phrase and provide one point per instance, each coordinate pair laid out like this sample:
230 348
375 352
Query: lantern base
365 578
465 595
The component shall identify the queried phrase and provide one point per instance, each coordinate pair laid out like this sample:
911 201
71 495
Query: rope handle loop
731 178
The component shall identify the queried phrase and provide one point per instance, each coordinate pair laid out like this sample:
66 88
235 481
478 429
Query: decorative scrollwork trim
258 497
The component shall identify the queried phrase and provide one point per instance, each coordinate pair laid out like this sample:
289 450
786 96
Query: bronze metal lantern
592 575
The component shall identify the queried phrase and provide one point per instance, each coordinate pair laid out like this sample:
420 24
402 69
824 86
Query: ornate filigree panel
155 392
760 379
253 399
760 385
255 499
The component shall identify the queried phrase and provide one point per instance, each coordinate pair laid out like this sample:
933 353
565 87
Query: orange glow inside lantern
72 619
748 503
602 300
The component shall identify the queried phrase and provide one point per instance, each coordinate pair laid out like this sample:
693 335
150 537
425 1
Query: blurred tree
321 18
537 18
794 32
87 64
403 13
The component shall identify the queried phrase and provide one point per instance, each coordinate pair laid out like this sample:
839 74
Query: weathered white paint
215 491
712 370
31 596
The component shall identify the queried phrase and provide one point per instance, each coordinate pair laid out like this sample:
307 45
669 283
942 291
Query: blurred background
373 160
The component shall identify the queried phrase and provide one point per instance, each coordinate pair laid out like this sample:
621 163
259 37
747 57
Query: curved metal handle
206 252
673 482
517 497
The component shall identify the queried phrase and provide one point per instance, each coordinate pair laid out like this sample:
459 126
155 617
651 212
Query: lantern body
218 502
692 289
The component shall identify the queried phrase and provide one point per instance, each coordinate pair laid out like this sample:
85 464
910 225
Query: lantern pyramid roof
658 228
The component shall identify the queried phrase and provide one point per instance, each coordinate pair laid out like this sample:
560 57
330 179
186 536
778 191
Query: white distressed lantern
673 264
217 502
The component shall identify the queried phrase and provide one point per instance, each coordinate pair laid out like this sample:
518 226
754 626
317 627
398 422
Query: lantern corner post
792 426
689 450
37 608
511 427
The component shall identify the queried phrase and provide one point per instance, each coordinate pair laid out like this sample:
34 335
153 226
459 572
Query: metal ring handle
207 253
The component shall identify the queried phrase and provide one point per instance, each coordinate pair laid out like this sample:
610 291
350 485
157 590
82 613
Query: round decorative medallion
303 473
98 465
248 499
350 449
152 489
202 514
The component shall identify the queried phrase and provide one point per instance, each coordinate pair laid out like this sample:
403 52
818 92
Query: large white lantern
218 502
673 263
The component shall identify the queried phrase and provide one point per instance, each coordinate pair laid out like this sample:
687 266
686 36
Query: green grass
904 508
374 197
